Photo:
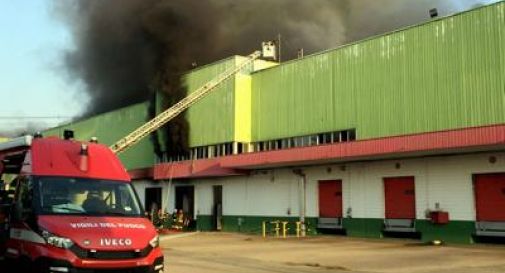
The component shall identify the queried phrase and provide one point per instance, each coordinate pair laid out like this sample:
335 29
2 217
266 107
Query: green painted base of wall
459 232
253 224
204 223
360 227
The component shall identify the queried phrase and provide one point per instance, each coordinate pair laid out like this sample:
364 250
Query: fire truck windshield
80 196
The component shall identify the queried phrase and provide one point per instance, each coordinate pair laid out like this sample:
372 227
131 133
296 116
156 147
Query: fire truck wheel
22 264
9 265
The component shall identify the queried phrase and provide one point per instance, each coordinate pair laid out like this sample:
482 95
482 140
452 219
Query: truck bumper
57 266
69 263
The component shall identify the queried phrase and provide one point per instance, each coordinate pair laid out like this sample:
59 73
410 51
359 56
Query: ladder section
19 142
164 117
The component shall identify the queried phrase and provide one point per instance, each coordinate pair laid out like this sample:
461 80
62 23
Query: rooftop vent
433 13
68 134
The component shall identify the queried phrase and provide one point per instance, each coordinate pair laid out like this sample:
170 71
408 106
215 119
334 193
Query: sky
33 81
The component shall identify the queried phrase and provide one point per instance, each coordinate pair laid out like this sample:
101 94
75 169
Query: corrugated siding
112 126
223 116
448 73
211 120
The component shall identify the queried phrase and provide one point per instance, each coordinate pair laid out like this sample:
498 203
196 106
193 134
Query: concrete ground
224 252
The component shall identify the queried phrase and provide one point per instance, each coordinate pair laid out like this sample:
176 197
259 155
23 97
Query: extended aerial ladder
172 112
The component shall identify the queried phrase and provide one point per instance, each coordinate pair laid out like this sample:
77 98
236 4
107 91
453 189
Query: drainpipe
303 194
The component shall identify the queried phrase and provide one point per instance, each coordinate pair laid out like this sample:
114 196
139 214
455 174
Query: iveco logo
115 242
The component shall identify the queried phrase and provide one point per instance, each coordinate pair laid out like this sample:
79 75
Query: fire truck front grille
124 270
110 255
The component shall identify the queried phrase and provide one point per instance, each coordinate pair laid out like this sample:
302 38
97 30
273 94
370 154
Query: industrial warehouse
398 135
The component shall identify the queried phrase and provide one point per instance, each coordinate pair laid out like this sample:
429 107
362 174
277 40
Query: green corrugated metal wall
444 74
211 120
112 126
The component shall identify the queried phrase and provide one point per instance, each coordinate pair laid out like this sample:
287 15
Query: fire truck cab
73 210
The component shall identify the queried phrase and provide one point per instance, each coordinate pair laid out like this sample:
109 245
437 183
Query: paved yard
223 252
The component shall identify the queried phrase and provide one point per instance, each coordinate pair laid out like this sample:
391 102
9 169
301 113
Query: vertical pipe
303 200
279 46
304 205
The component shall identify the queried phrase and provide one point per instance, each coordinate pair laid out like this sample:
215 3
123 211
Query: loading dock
152 200
489 192
217 207
400 204
330 204
185 201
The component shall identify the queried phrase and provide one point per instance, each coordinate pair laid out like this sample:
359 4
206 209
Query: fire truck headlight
155 242
57 241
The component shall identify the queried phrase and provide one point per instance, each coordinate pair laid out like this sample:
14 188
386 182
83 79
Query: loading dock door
400 198
330 204
185 199
490 197
217 210
152 201
330 199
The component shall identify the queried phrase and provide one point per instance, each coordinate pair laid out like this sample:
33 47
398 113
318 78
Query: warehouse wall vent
305 141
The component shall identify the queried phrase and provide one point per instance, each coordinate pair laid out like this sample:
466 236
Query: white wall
446 180
272 193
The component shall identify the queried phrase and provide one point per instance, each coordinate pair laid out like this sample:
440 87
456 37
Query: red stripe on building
142 173
193 169
474 139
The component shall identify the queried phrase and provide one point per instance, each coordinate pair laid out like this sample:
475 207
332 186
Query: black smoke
126 49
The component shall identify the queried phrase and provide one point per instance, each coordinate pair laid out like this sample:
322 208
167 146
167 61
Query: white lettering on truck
115 242
107 225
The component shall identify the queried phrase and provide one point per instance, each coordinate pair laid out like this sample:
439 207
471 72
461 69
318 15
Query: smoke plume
125 48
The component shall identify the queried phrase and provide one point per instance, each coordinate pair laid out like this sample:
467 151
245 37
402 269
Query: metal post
279 46
284 229
304 205
277 228
303 199
264 229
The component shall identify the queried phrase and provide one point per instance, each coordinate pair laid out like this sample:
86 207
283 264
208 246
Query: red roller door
400 198
490 197
330 199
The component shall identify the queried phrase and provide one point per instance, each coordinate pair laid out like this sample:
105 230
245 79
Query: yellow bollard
284 229
264 229
277 227
298 229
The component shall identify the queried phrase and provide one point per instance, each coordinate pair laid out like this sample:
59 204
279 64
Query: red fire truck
74 210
